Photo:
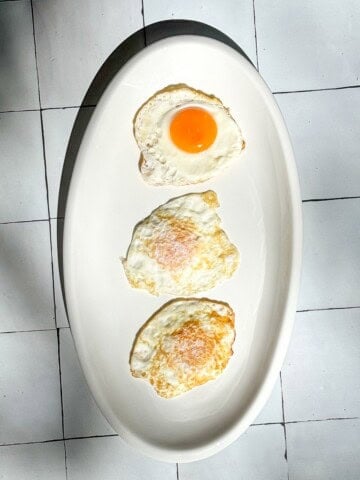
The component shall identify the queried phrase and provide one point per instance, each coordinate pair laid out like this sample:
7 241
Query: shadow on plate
124 52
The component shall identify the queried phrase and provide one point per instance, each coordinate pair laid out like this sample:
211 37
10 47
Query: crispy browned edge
213 202
170 302
169 88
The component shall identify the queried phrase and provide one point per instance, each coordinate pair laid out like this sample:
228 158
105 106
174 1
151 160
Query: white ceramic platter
260 209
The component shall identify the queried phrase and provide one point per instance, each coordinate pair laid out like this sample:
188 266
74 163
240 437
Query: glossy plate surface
261 212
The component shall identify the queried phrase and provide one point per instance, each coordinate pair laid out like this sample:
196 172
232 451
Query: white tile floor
30 402
22 173
236 19
324 450
40 461
72 43
18 83
111 459
259 454
44 399
324 128
325 355
26 291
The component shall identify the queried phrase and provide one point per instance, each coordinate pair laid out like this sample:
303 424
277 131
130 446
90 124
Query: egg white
162 162
213 259
153 350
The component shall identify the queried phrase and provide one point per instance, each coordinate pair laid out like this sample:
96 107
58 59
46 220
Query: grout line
25 221
41 118
28 331
286 453
143 17
256 44
60 380
92 436
52 258
282 398
65 458
284 425
35 51
35 330
53 440
21 110
317 89
44 109
331 419
52 268
57 440
303 421
90 105
143 13
177 472
46 177
326 309
329 199
265 424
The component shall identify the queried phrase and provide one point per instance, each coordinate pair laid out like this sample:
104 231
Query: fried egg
180 248
184 344
185 136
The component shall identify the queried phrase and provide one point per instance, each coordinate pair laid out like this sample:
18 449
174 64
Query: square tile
325 355
40 461
330 271
325 128
257 455
22 171
82 416
57 228
18 82
308 45
324 450
109 458
235 18
72 43
272 412
26 293
30 402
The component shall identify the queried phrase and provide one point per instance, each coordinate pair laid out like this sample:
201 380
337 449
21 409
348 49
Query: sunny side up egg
185 136
180 248
183 345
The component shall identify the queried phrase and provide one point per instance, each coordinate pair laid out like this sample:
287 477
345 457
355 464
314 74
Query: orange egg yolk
193 130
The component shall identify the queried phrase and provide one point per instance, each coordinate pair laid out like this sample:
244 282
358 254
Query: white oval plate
260 208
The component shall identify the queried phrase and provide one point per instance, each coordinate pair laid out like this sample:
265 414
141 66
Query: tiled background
308 52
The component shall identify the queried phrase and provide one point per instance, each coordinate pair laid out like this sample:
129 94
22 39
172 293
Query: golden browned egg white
186 343
180 249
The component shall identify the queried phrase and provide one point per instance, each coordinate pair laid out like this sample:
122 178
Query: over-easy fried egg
184 344
185 136
180 248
